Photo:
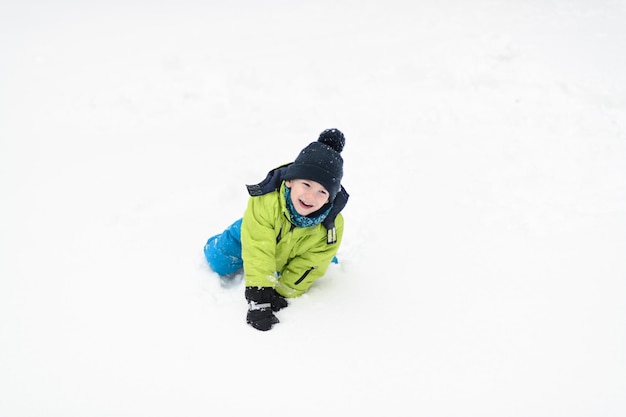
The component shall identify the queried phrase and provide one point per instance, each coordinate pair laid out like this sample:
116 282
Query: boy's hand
261 318
278 301
261 302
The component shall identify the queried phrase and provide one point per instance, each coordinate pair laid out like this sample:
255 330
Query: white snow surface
483 268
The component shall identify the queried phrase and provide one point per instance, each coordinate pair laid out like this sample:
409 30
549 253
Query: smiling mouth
302 203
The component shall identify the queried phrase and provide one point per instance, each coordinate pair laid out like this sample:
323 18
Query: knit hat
321 162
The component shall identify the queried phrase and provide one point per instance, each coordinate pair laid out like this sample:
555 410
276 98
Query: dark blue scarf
303 221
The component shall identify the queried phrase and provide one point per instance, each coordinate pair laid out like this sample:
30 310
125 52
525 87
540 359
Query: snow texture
483 270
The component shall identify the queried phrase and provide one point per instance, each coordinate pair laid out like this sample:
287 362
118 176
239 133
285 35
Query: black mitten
278 301
262 319
260 315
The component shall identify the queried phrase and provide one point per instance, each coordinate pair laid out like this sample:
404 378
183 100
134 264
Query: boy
290 231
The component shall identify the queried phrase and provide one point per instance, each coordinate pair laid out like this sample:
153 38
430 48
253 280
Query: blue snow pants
223 251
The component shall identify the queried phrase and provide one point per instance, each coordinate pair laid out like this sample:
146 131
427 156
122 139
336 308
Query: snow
482 271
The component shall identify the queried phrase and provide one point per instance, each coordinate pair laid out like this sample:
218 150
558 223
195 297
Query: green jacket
278 254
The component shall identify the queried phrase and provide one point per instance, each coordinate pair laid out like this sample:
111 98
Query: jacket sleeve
258 243
302 271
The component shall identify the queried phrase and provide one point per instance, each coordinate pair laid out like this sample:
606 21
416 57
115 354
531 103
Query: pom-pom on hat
333 138
321 162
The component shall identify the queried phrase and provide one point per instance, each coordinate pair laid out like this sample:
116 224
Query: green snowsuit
276 253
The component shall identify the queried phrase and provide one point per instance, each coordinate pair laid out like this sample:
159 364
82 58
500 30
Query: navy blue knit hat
321 162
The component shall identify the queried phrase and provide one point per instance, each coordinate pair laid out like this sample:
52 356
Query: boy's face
307 196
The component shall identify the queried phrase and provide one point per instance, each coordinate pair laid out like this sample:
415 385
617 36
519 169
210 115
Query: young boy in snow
290 231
